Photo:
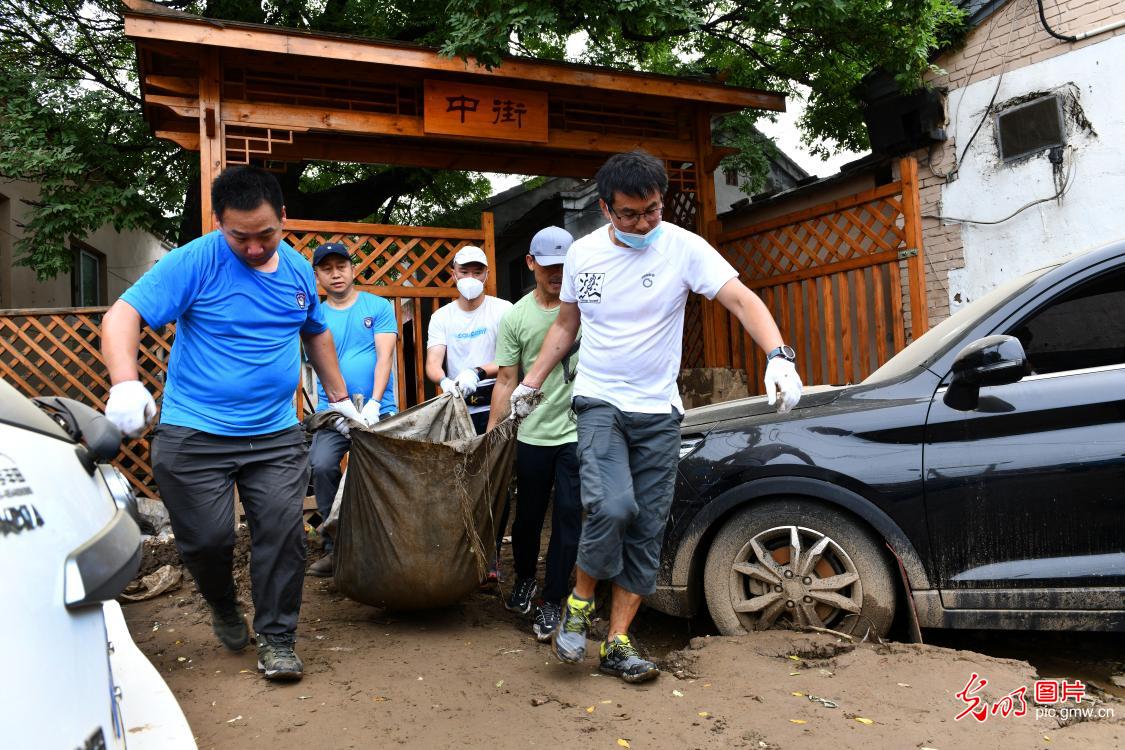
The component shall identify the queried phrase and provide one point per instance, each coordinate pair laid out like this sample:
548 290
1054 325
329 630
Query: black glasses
630 218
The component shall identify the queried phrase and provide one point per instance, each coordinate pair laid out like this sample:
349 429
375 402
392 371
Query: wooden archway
253 93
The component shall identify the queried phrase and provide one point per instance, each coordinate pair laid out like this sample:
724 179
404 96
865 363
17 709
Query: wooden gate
833 276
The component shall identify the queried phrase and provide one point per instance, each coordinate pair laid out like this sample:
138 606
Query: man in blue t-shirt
243 300
364 330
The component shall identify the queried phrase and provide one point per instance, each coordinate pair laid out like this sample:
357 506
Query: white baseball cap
470 254
549 246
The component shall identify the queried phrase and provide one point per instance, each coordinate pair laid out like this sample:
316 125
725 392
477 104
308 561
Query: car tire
848 587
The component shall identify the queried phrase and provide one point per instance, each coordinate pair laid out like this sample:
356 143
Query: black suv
976 480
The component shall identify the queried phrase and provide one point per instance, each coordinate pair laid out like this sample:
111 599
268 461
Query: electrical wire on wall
1013 11
1063 176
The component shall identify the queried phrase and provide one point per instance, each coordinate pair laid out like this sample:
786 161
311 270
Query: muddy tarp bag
421 498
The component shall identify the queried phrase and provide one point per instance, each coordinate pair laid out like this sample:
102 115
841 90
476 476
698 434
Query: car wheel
800 563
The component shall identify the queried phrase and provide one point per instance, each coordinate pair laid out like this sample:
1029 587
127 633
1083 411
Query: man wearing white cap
461 350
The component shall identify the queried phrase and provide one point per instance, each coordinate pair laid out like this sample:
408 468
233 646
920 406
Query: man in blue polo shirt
364 330
243 300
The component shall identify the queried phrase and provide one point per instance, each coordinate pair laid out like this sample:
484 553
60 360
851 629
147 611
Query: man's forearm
556 344
385 355
121 338
382 377
752 313
435 364
506 378
322 354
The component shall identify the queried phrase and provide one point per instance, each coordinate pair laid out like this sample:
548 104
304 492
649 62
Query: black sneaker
522 594
547 616
620 659
277 659
229 625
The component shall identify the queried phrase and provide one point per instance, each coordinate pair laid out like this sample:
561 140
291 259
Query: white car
69 543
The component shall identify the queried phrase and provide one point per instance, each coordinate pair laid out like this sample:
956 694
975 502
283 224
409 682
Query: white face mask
469 287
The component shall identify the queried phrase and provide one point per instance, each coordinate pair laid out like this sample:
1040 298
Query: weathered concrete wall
1012 49
127 256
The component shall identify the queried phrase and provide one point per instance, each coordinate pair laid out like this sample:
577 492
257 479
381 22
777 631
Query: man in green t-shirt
546 452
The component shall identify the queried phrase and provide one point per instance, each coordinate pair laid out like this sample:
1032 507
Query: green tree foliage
70 113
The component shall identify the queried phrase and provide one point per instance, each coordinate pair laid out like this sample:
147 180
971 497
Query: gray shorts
627 466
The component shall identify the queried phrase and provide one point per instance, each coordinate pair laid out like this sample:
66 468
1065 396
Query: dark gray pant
328 448
627 464
197 472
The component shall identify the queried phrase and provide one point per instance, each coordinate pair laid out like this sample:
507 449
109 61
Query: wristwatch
481 373
785 351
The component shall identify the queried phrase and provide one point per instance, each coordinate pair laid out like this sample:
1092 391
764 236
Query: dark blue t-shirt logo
368 322
300 300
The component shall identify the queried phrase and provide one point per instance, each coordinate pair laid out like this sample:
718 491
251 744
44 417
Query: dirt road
472 676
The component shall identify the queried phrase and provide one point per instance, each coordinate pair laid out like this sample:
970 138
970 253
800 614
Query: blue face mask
639 241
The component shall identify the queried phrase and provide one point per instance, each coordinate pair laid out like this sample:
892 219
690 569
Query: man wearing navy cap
364 330
243 301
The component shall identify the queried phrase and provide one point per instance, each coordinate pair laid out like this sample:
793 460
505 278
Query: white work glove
449 385
467 381
345 408
781 376
524 400
370 412
130 407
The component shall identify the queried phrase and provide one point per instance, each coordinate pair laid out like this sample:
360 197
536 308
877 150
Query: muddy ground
472 676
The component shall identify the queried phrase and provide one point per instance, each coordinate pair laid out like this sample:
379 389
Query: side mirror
993 360
85 424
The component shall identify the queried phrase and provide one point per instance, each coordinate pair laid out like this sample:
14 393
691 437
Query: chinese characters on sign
485 111
507 111
461 104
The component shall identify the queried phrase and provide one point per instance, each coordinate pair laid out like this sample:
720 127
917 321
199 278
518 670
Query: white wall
127 254
1092 210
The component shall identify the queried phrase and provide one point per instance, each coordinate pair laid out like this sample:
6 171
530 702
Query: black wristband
481 374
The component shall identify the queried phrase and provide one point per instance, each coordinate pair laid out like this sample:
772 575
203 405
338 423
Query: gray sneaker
325 567
277 659
229 625
569 643
620 659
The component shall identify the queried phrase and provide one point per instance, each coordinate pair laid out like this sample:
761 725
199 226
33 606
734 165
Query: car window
1082 328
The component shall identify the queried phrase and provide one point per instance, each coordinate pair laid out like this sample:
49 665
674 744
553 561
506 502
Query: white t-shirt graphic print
632 308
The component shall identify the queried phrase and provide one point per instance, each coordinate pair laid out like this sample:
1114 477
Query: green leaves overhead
70 110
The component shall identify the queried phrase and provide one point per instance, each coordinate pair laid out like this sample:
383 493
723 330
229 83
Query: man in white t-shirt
626 284
461 350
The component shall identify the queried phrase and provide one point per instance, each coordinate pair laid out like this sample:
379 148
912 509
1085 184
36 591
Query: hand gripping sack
421 497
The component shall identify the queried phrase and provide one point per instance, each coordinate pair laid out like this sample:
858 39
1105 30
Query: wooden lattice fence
56 352
833 276
410 267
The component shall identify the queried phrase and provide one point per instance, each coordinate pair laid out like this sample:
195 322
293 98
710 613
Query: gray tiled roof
978 10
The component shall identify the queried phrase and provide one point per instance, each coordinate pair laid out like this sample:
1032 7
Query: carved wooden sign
485 111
